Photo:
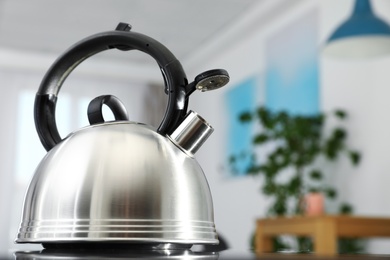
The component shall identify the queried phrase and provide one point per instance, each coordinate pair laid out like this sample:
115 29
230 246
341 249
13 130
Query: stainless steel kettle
121 181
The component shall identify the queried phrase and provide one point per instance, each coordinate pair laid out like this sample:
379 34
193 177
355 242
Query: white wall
7 140
360 87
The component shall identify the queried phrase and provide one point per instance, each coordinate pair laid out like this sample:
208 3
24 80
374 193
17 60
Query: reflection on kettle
121 181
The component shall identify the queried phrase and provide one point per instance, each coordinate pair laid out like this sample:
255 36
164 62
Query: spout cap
190 135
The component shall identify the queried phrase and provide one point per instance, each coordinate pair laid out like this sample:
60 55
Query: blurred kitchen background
273 51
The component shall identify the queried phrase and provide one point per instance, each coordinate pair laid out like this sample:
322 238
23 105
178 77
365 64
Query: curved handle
95 109
173 73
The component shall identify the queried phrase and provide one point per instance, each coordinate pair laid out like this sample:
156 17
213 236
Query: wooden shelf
325 230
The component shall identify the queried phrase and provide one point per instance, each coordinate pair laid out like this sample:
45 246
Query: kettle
121 182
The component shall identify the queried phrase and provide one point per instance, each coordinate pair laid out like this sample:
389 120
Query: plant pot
314 204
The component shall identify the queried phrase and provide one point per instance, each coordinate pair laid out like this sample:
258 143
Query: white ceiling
51 26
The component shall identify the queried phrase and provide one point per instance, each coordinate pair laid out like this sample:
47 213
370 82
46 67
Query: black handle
173 73
95 112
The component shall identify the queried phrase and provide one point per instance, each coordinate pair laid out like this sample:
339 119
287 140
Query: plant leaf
260 139
314 190
340 113
330 193
232 159
266 117
294 185
316 175
355 157
269 188
345 208
245 117
339 133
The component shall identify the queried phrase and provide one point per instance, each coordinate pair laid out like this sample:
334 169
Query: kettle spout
190 135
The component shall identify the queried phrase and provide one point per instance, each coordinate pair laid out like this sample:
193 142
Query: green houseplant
295 145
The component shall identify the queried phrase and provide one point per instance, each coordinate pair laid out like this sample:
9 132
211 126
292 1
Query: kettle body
125 183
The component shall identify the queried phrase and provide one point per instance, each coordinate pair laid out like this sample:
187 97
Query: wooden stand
325 230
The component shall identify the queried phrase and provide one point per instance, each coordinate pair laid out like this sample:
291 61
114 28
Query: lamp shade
362 35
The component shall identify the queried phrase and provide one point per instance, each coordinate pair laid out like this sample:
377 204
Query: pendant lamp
362 35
